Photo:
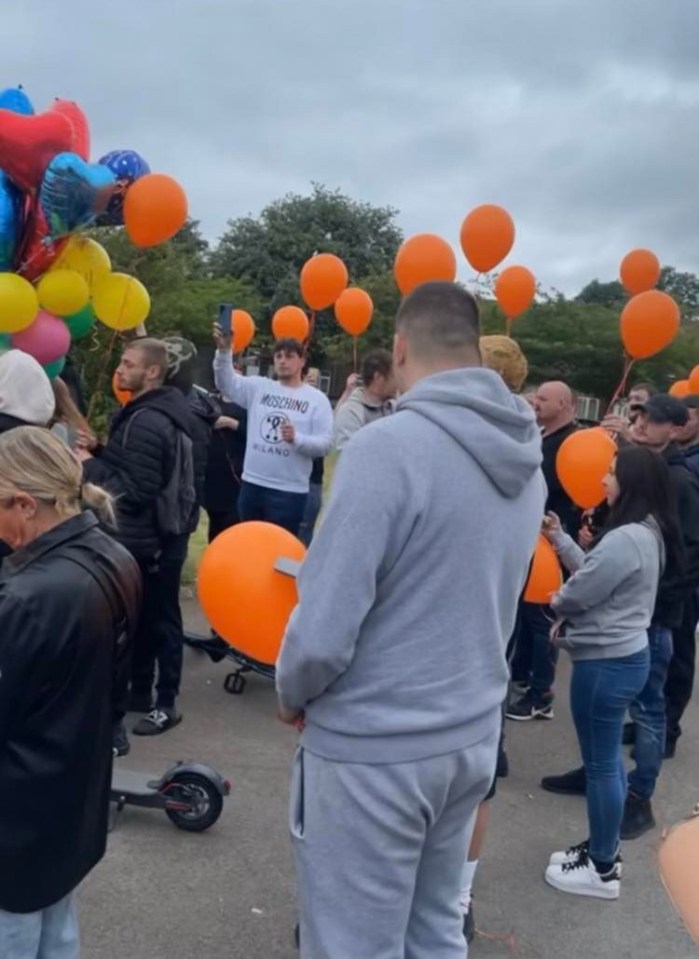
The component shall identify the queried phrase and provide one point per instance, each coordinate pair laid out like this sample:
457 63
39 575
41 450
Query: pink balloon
47 339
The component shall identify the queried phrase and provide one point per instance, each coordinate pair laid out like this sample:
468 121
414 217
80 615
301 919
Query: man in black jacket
135 465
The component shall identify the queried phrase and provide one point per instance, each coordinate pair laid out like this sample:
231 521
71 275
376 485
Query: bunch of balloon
353 311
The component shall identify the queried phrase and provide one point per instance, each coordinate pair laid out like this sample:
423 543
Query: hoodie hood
496 428
25 390
168 400
203 405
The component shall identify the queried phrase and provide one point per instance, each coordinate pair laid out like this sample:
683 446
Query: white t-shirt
269 461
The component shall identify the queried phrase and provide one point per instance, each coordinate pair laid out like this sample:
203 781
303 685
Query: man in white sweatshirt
289 424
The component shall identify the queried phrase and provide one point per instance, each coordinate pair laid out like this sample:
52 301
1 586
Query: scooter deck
135 783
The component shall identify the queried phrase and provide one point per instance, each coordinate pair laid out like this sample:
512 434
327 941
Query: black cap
692 402
663 408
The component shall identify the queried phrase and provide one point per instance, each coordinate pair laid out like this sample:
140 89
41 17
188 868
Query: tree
269 251
603 294
684 287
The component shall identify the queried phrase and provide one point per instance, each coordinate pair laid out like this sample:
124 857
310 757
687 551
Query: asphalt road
229 893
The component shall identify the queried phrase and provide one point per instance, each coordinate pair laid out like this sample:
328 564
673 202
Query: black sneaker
573 783
120 741
629 735
502 768
531 707
140 702
469 925
638 817
158 721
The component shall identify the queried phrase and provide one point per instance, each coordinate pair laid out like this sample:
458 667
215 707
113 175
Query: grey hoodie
608 602
357 411
396 651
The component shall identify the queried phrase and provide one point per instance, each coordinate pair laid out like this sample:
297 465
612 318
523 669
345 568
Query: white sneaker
580 878
573 853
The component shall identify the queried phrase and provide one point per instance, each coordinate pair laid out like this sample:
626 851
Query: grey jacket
357 411
608 602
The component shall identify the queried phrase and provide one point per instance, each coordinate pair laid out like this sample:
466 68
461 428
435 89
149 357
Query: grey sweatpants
379 851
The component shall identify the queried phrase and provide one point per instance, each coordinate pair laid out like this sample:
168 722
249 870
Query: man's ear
400 350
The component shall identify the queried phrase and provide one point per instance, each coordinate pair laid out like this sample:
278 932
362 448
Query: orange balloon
121 396
515 289
649 322
155 209
290 322
323 278
243 597
353 310
545 577
693 381
422 259
681 388
583 460
487 236
678 856
243 330
639 271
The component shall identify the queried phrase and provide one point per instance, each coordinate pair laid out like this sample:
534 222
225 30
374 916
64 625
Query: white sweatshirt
269 461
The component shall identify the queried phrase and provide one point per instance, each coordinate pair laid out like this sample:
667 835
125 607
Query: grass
199 538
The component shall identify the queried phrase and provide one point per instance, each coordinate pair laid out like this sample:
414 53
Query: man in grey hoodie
369 402
394 659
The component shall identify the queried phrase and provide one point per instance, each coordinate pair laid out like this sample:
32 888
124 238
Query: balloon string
508 326
628 366
355 353
100 376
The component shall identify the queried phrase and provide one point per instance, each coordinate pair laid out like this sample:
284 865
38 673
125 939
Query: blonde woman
68 598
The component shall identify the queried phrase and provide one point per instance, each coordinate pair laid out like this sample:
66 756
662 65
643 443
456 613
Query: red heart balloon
78 120
28 144
37 250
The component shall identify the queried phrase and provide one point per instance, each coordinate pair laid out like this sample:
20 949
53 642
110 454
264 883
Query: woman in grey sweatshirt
603 613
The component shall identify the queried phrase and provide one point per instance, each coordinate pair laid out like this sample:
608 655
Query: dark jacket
206 410
137 472
691 458
67 605
558 500
677 585
224 467
7 423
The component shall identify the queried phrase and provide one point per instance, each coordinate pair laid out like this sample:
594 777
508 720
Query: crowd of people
411 641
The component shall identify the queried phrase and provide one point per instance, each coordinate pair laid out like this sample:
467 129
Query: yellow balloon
18 303
86 257
63 292
120 301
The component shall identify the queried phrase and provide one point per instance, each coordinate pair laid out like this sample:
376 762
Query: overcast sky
580 116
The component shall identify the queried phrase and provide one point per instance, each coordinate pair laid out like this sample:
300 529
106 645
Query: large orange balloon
243 597
487 236
323 278
243 330
515 290
545 577
155 209
353 311
121 396
649 322
681 388
290 322
639 271
422 259
693 381
583 460
678 856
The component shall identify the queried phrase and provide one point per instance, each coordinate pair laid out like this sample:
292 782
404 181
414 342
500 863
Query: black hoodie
135 466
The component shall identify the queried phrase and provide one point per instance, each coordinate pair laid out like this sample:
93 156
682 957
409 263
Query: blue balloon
73 193
17 101
127 166
11 208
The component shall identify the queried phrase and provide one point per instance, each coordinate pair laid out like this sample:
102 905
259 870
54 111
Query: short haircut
376 363
288 345
154 353
440 319
648 388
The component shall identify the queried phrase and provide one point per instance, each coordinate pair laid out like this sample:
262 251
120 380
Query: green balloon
55 369
5 341
80 323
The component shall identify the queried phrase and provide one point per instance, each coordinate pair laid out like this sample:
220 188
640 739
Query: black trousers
159 637
680 675
220 520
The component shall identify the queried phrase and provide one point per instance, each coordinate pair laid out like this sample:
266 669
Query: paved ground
229 893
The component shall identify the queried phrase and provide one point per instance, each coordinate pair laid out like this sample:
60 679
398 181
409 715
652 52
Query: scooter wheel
206 802
235 684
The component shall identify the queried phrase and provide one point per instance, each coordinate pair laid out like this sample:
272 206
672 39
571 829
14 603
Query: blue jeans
314 503
51 933
648 714
601 691
271 506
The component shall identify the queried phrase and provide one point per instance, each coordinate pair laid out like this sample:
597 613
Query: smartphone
225 318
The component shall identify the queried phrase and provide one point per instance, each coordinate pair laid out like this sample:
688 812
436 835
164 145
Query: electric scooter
191 794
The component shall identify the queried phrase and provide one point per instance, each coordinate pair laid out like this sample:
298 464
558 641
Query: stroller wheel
235 684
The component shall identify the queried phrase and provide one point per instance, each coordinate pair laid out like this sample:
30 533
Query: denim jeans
310 513
271 506
601 691
648 714
51 933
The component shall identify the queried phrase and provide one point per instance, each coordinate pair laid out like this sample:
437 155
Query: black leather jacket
68 606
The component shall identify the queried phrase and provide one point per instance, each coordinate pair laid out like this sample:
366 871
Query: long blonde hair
33 461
